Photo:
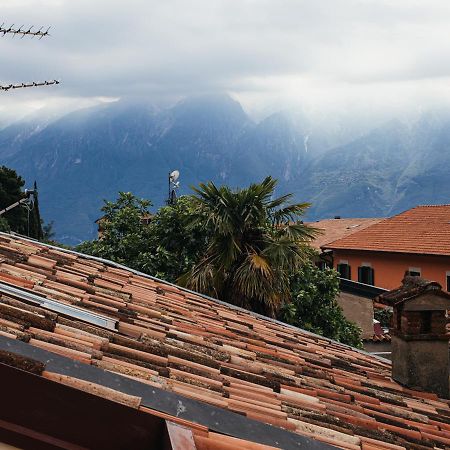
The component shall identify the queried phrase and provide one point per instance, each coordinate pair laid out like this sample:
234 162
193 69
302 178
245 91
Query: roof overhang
40 414
371 250
38 397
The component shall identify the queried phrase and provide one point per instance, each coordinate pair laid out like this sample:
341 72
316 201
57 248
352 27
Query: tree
255 243
4 225
179 238
124 233
11 186
166 247
240 246
314 306
22 219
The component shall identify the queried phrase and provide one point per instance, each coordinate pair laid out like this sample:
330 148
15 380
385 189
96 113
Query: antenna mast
173 187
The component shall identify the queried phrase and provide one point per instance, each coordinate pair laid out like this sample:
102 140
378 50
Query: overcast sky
320 53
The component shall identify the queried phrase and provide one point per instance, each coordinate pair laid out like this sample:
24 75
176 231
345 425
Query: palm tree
256 242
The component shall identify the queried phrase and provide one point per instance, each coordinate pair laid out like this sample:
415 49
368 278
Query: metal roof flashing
61 308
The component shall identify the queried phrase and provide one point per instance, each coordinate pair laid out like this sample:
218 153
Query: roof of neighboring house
183 344
333 229
422 230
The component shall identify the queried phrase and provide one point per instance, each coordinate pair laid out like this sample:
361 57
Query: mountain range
83 157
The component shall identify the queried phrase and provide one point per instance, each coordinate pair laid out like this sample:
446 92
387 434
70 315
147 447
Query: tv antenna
22 32
173 187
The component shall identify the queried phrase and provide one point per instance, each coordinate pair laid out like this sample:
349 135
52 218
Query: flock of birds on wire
22 32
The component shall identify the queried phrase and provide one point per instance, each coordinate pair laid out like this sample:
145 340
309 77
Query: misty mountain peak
130 145
211 107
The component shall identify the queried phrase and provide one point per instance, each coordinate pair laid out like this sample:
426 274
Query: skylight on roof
61 308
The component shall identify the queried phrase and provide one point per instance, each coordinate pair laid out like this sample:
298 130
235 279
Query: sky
321 54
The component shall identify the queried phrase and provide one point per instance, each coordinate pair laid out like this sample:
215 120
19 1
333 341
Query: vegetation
255 242
166 247
384 316
241 246
20 219
314 306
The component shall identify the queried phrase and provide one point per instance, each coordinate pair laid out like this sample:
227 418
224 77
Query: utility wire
8 87
23 31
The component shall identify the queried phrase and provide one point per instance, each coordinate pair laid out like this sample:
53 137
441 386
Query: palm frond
255 244
290 213
252 283
299 232
259 263
275 203
203 277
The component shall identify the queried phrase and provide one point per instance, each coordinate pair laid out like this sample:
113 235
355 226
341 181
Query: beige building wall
358 310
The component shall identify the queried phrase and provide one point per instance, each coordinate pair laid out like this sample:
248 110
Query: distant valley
89 155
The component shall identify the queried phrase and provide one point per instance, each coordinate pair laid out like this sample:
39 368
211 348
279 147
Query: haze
348 55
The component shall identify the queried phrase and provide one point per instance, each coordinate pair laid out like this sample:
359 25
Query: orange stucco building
416 241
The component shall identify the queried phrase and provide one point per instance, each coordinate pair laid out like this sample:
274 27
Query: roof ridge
429 206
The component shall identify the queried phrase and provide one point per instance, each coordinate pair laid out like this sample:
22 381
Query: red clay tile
74 354
137 354
216 354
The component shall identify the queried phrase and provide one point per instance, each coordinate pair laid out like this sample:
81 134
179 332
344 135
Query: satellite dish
174 176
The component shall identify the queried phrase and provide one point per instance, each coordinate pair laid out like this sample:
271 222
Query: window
448 281
414 272
366 275
322 265
344 271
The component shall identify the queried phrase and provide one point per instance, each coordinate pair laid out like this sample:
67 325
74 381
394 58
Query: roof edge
329 247
215 418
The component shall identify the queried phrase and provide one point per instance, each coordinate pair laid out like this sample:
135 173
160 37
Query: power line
21 31
28 85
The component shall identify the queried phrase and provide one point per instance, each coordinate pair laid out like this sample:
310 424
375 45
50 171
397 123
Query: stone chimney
420 348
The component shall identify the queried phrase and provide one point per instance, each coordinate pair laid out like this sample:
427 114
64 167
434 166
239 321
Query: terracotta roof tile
214 353
334 229
421 230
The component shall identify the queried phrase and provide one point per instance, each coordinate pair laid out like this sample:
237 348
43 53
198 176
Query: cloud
261 50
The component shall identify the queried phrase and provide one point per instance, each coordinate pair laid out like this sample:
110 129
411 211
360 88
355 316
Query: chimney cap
412 287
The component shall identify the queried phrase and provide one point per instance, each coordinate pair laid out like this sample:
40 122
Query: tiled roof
380 334
423 230
333 229
215 353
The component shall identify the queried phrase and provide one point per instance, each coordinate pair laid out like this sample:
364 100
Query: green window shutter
344 271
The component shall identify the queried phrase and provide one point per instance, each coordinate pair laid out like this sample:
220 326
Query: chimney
420 348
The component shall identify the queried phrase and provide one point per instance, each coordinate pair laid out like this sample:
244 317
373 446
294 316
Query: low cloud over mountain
89 155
